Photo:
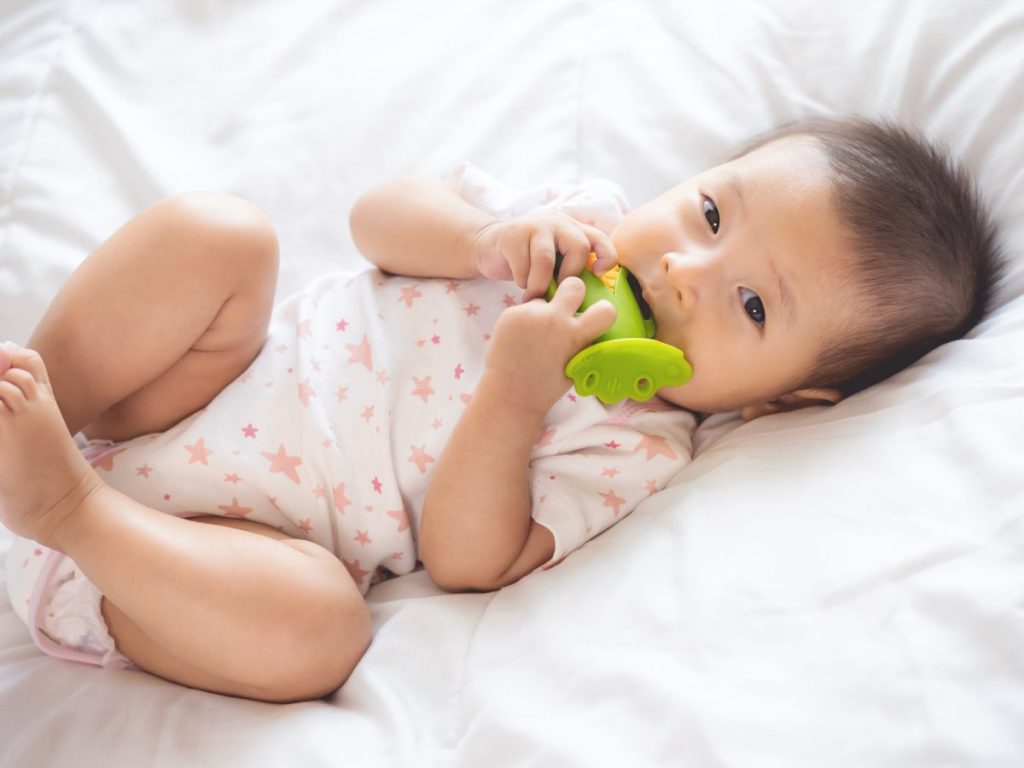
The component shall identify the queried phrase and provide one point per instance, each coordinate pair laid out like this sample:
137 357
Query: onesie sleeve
598 202
596 477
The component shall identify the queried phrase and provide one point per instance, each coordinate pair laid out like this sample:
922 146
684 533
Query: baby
229 497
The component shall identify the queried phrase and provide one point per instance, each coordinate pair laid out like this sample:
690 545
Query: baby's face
744 269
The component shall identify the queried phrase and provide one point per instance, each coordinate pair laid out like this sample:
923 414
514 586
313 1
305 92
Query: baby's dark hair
924 246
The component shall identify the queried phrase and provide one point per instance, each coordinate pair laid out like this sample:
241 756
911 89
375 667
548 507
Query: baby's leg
161 317
232 607
150 327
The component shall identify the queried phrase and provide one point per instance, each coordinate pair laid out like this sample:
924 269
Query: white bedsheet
840 587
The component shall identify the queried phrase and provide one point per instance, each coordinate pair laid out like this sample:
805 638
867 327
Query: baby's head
826 256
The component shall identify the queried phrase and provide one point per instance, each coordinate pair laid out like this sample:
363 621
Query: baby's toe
11 396
29 360
5 358
23 380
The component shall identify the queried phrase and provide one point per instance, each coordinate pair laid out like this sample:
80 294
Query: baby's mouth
638 293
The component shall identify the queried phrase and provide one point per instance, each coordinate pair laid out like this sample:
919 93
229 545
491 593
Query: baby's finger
597 319
602 246
542 264
575 249
516 252
5 358
569 295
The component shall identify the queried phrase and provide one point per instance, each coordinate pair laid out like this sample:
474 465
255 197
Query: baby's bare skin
43 476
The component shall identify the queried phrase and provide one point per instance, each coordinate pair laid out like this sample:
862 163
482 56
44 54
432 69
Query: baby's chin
692 399
680 397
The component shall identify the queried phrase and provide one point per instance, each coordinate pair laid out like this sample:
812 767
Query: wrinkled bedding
840 587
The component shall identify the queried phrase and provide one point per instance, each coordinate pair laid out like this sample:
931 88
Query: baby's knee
226 225
329 653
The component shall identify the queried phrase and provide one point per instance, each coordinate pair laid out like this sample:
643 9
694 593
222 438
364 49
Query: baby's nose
684 276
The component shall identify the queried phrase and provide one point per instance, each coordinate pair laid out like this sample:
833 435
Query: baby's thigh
302 545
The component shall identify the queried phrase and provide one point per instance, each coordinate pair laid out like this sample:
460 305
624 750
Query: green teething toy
624 361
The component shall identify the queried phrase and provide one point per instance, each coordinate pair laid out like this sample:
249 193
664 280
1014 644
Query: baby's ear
792 401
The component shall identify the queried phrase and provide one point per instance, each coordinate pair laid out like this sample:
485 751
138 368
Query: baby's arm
477 530
418 226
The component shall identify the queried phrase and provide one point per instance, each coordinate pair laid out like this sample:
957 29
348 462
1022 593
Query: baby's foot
43 477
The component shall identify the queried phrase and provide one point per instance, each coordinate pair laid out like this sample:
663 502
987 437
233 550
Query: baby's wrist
498 392
480 244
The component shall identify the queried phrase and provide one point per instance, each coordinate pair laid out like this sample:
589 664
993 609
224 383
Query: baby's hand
523 250
532 343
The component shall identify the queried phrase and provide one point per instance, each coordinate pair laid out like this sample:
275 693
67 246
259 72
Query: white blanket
837 587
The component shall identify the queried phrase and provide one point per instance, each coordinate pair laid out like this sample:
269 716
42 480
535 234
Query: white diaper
58 604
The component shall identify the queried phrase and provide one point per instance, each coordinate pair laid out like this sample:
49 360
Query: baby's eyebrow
737 187
788 305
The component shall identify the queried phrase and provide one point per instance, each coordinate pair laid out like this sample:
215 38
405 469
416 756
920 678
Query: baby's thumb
597 319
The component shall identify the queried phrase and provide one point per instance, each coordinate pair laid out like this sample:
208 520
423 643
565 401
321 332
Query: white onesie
333 432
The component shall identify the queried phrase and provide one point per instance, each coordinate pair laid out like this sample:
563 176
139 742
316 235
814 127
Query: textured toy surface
624 361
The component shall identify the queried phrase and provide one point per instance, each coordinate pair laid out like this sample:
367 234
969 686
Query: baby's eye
711 214
752 305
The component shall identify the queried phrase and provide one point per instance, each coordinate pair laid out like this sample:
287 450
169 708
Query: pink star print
305 391
613 501
340 499
363 537
232 478
357 573
341 393
451 286
144 470
376 485
435 339
305 525
199 452
282 462
409 295
420 457
107 460
471 310
302 329
233 509
249 430
423 388
367 413
341 325
459 370
361 353
655 445
402 518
